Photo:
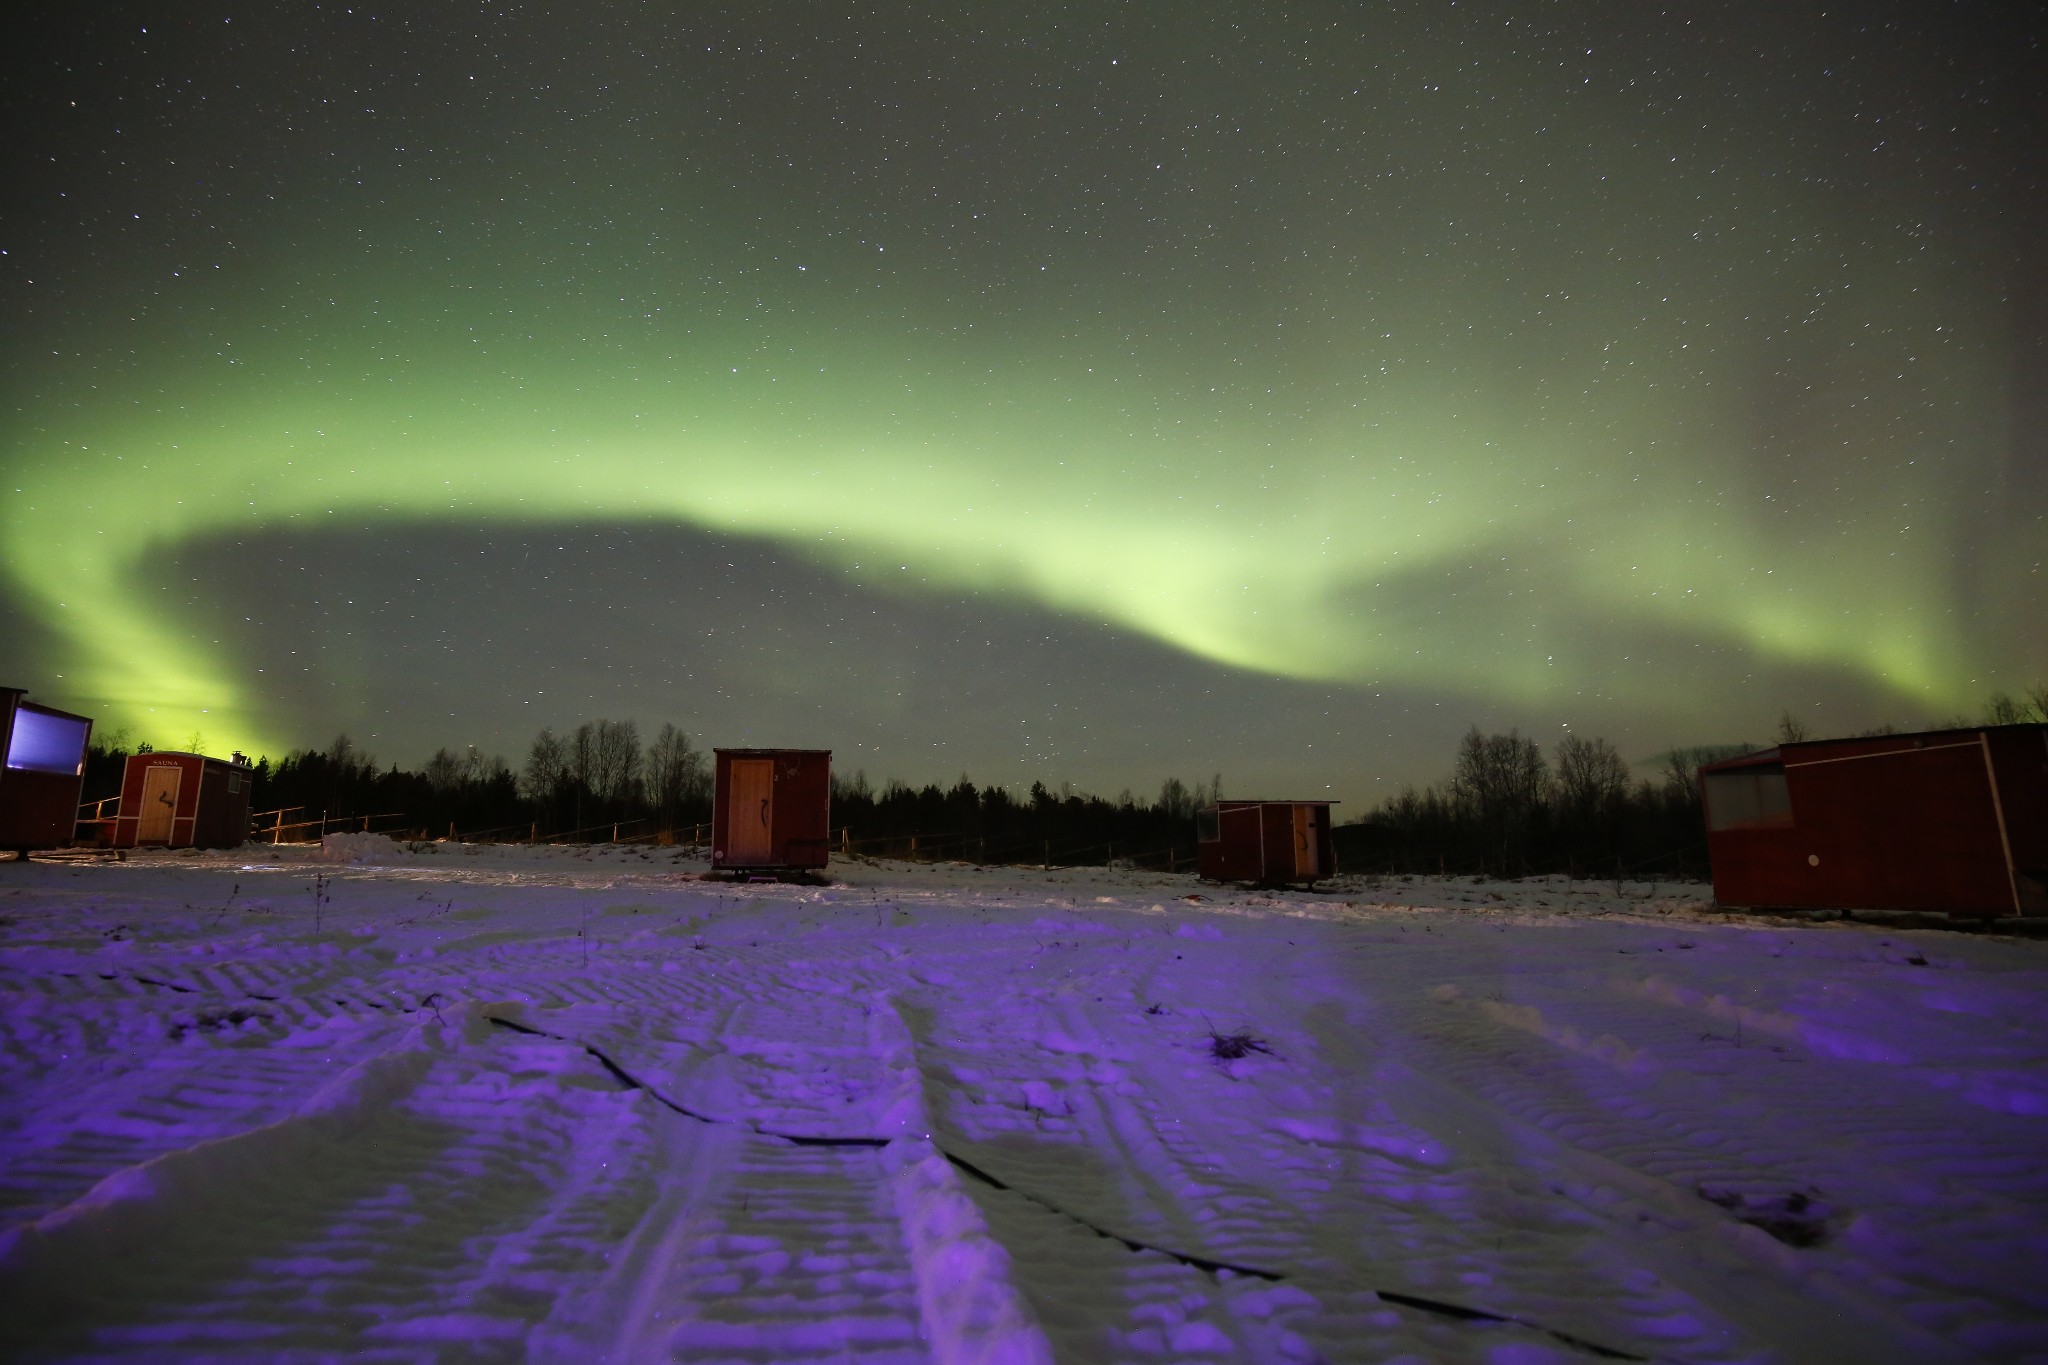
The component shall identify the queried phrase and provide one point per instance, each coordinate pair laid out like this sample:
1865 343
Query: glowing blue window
43 743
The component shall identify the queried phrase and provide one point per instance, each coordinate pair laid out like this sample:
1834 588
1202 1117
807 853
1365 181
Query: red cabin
1952 821
771 809
171 800
41 773
1267 842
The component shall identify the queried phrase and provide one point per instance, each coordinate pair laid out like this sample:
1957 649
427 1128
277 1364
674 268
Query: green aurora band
1250 522
1474 444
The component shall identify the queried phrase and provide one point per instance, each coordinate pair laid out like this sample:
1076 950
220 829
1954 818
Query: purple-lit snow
561 1105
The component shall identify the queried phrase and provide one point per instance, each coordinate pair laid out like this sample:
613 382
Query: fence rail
326 824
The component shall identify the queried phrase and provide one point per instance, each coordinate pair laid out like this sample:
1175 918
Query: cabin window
1206 831
1749 798
43 743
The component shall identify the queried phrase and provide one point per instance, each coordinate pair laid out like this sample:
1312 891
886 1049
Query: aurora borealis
1087 392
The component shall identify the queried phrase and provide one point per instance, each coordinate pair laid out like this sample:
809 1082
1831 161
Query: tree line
584 783
581 783
1507 809
600 780
990 824
1510 810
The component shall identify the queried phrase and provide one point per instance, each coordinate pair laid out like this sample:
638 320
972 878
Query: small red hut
173 800
771 809
1951 821
41 772
1268 842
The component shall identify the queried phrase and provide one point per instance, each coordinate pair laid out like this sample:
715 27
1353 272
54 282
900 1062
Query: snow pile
578 1104
360 848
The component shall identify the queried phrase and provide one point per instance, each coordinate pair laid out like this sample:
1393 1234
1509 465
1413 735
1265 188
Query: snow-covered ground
469 1103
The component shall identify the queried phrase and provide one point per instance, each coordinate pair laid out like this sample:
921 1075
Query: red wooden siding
1952 820
42 768
208 805
788 829
1266 842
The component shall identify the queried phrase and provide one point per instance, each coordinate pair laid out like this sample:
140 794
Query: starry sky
1088 392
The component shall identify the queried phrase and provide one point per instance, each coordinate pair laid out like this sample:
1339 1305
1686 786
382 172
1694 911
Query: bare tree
675 773
445 772
1592 778
1500 777
1176 800
582 762
605 760
347 761
621 749
349 771
547 767
2021 710
449 771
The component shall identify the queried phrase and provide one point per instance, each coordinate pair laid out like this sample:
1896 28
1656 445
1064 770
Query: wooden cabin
1268 843
771 809
1952 821
177 800
42 769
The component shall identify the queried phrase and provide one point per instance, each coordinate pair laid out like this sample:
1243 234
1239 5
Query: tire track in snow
1168 1184
155 1072
566 1208
1566 1228
825 1239
427 1198
79 1274
1494 1241
1714 1133
800 1258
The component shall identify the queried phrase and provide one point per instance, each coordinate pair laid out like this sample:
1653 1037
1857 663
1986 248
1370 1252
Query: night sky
1089 393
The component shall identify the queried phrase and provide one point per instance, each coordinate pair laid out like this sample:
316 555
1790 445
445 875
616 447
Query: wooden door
750 825
1306 844
159 803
